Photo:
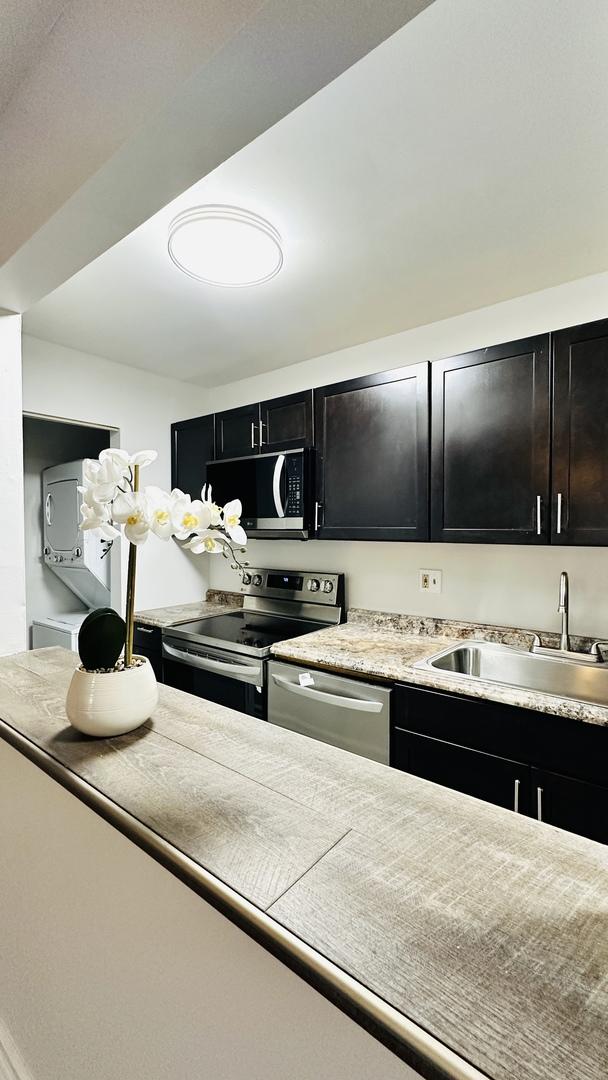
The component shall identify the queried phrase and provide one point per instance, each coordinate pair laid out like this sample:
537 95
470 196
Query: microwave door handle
244 672
279 465
339 701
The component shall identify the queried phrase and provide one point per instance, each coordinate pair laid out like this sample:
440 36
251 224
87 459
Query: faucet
564 641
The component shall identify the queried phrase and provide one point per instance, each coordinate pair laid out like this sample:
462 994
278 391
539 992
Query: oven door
239 682
275 490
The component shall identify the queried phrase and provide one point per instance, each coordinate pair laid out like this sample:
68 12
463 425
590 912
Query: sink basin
511 666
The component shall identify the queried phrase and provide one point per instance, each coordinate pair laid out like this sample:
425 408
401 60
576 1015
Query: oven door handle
358 704
243 672
276 485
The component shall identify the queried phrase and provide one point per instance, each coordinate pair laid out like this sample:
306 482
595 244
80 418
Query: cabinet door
570 804
192 446
147 642
237 432
580 435
490 445
493 779
372 457
286 423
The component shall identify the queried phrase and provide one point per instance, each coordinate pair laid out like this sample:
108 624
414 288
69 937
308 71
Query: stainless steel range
224 657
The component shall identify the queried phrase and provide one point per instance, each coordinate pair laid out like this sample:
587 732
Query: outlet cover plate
430 581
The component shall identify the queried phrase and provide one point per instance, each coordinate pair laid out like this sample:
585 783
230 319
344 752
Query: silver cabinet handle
539 506
558 527
261 433
330 699
317 509
539 803
276 485
516 796
205 663
253 427
146 629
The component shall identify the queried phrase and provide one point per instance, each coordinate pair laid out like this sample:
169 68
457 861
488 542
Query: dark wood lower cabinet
570 804
147 641
505 755
493 779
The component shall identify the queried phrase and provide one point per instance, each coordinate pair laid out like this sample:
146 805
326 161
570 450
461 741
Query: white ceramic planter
114 702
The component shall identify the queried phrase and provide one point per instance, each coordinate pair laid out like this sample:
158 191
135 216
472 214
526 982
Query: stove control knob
77 552
327 585
257 579
313 585
246 578
47 551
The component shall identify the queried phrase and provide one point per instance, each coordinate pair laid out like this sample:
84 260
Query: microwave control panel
294 502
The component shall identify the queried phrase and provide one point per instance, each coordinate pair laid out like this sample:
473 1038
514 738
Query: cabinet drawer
493 779
471 722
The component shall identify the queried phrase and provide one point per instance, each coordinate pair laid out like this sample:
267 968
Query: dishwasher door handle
243 672
330 699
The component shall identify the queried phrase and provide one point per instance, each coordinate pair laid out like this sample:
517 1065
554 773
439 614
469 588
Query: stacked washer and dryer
82 561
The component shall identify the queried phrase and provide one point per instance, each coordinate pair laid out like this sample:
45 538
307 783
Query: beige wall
514 585
113 970
12 571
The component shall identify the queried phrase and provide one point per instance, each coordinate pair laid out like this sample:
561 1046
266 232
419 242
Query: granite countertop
216 603
485 929
386 647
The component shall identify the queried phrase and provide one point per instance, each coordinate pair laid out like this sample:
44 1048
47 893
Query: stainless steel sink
510 666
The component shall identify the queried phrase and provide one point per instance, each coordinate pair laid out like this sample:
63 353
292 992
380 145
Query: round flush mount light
225 245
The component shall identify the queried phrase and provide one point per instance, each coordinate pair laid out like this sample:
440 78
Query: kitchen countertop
386 647
486 929
216 603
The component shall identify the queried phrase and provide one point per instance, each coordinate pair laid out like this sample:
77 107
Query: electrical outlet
429 580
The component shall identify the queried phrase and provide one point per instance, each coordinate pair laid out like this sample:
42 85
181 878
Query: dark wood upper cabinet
372 456
192 446
237 432
580 435
286 422
490 445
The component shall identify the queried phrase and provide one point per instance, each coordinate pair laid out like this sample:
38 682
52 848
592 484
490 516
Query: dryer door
61 515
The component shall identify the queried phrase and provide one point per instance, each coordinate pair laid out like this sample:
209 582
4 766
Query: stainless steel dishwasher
340 711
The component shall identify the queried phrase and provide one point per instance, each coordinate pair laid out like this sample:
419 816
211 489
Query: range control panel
304 585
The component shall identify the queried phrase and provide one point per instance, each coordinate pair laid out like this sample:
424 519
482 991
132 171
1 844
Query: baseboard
12 1065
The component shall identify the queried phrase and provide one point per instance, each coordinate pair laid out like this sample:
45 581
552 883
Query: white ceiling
117 107
462 162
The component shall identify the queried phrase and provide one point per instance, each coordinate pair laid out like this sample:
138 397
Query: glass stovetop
248 629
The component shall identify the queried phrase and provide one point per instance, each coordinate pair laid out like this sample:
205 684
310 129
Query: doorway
50 441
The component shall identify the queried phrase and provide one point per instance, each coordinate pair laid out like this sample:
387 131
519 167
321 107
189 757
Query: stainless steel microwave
276 491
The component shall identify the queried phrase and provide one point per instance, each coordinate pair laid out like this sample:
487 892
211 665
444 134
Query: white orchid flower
131 509
232 522
92 520
122 459
103 477
160 509
94 516
214 510
207 541
188 516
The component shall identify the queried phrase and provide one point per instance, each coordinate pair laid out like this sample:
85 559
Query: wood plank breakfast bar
471 941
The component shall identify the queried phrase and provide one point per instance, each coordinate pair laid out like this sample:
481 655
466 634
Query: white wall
65 383
113 970
12 576
514 585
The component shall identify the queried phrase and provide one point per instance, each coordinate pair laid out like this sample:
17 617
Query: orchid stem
130 619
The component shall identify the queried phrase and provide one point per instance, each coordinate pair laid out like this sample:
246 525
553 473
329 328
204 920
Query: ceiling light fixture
224 245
